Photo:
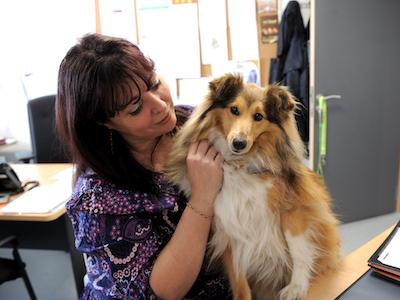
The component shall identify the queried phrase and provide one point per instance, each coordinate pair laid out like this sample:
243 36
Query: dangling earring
111 142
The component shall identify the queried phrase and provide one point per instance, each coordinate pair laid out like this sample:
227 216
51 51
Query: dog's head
252 127
251 117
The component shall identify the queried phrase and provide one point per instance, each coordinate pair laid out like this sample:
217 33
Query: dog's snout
239 144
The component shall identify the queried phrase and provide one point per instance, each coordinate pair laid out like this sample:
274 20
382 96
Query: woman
141 237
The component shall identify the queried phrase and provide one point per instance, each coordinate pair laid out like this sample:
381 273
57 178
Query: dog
273 226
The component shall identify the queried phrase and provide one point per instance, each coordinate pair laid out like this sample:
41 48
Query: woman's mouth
165 119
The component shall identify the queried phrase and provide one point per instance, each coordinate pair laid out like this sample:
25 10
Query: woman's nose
158 104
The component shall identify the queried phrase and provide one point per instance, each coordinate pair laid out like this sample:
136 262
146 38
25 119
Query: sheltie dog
273 227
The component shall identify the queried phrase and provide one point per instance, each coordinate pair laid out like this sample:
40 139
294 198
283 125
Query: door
355 52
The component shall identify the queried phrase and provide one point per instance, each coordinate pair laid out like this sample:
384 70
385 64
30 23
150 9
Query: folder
382 280
386 259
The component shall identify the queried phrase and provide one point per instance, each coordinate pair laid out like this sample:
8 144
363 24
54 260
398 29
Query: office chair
11 269
46 146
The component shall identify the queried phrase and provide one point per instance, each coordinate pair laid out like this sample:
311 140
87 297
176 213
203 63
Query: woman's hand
205 173
180 261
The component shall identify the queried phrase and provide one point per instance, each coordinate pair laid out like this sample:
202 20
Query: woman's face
150 114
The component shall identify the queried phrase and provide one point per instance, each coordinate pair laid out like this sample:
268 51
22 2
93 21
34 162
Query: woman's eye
136 108
258 117
234 110
155 85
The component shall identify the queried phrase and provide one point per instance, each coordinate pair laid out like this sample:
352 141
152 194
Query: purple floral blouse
122 232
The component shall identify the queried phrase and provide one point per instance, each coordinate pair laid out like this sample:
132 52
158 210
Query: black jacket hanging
291 67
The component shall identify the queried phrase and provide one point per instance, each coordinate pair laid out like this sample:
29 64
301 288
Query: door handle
320 103
330 96
322 110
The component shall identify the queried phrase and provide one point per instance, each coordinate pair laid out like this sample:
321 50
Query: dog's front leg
239 284
303 254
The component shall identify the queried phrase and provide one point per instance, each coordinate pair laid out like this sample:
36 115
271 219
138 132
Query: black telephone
9 181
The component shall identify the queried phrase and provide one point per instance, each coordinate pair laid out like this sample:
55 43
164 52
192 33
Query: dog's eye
234 110
258 117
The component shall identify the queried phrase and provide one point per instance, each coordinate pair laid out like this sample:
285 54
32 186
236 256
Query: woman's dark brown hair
95 82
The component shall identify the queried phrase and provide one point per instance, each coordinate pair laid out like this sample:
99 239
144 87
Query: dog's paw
293 291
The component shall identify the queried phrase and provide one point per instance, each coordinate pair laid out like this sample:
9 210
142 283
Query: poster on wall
243 29
213 38
117 18
169 34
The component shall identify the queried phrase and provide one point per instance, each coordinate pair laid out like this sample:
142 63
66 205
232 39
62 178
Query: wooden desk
332 284
43 173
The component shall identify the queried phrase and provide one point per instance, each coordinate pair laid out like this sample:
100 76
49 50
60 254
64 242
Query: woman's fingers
211 153
203 147
219 158
193 148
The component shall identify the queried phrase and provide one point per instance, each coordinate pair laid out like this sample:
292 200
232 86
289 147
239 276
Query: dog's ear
222 91
280 102
225 88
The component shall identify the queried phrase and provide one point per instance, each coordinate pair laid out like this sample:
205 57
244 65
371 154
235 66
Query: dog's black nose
239 144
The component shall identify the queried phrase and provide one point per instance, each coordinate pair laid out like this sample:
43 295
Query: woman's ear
279 103
107 124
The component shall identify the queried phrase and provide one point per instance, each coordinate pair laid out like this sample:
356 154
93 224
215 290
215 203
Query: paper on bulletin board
169 35
212 22
243 29
118 18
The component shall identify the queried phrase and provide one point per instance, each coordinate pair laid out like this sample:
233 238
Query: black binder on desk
385 260
371 286
381 281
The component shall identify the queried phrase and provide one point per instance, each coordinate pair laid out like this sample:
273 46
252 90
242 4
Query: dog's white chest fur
245 224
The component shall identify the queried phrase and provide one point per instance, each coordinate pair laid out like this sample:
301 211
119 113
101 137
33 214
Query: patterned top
122 233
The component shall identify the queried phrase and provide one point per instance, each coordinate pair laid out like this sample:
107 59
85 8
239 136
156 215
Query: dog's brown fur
296 197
